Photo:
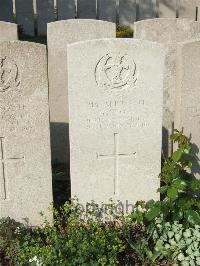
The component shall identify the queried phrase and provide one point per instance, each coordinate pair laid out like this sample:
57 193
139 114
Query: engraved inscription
4 160
116 156
115 72
193 111
114 114
9 75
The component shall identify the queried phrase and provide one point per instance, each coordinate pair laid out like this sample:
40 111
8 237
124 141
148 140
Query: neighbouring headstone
147 9
188 8
127 12
8 31
115 103
66 9
86 9
188 95
45 14
24 16
107 10
6 10
60 34
167 8
169 32
25 162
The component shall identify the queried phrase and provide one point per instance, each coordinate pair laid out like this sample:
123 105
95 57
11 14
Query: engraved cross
116 156
4 160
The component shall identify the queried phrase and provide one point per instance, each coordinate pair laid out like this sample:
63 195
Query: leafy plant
179 244
165 232
124 31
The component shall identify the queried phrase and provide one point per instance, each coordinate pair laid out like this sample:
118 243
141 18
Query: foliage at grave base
165 232
124 31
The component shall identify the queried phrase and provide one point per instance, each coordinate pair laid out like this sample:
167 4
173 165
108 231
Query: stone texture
25 164
8 31
45 14
167 8
115 103
6 10
127 12
66 9
24 16
60 34
187 8
188 95
147 9
107 10
169 32
86 9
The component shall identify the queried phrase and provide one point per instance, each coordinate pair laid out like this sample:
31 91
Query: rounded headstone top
8 31
81 22
74 30
166 30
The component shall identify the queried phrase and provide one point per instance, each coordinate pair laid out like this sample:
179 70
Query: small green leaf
177 155
193 217
153 212
172 193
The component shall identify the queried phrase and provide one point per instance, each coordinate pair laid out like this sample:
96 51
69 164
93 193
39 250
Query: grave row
35 14
108 97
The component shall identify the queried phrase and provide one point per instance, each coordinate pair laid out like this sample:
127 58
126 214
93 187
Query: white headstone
25 162
6 10
86 9
115 103
188 8
45 14
66 9
60 34
107 10
188 95
8 31
169 32
127 12
147 9
24 16
167 9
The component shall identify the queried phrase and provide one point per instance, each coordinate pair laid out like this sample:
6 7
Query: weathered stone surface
115 119
86 9
127 12
167 8
6 10
45 14
25 165
8 31
60 34
107 10
168 32
187 114
66 9
24 16
188 8
147 9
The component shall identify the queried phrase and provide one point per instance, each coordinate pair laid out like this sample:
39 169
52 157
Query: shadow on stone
196 161
60 162
165 142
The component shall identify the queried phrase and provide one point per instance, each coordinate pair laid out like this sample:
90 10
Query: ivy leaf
153 212
177 155
193 217
162 189
150 204
172 193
